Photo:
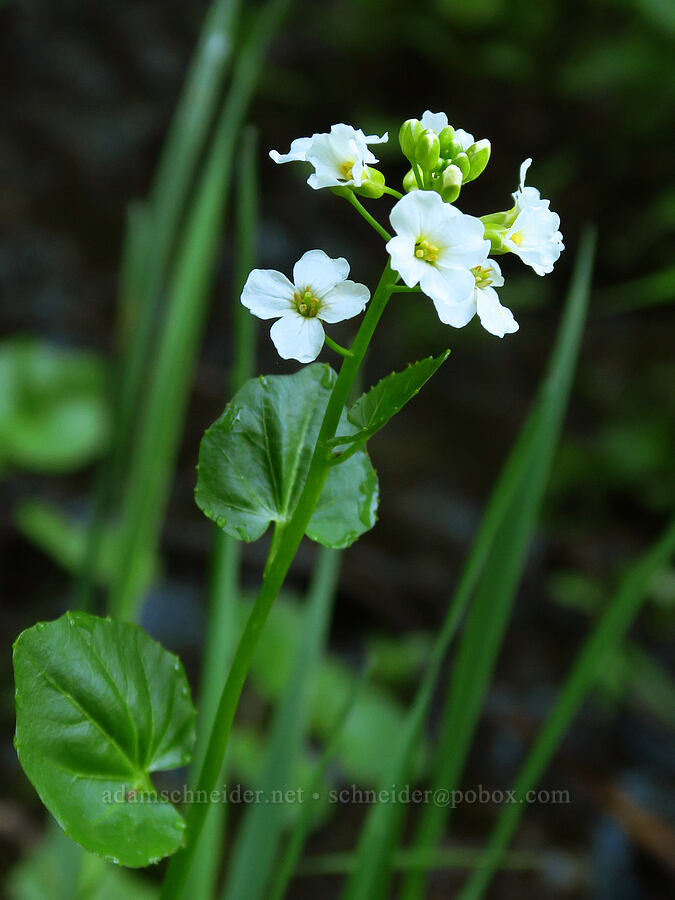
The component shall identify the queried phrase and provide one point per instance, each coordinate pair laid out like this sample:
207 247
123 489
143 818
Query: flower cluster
435 248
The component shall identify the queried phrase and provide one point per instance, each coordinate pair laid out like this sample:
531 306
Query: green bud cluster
438 161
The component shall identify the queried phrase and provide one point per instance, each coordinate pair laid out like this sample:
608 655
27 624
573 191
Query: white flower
436 246
438 121
494 317
435 121
319 292
340 158
534 235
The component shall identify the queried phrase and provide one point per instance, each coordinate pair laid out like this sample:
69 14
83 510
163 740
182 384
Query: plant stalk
285 543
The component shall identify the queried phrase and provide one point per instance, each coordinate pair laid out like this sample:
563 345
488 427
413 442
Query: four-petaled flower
438 121
437 246
319 292
534 234
340 158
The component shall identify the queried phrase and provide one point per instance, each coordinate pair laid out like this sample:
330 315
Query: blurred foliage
375 718
64 539
53 412
59 870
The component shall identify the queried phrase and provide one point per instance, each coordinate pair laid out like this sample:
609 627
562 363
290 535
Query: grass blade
151 233
226 554
491 608
409 860
176 171
605 637
291 856
159 429
260 835
380 833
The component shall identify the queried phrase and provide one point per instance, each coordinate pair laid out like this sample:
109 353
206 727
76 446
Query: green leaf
60 870
373 410
53 414
100 705
254 459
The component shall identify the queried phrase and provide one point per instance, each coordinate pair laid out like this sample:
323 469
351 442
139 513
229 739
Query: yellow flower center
306 303
483 276
517 238
426 251
346 169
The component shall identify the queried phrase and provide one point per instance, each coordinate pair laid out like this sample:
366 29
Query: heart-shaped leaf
373 410
253 462
100 705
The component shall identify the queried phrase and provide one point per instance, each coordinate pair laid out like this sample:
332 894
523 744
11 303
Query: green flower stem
388 190
338 347
351 197
418 176
286 540
404 289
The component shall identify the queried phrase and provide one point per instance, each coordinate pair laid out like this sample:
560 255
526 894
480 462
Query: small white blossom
534 235
319 292
437 246
340 157
494 317
438 121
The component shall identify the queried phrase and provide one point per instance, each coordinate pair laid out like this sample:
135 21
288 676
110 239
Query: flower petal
297 337
435 121
346 300
496 277
297 152
464 138
462 241
375 139
524 166
456 314
539 243
494 317
317 271
419 212
453 286
267 293
401 249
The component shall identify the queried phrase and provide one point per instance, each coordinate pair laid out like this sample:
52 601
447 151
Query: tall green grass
259 838
225 586
494 565
492 603
605 637
162 413
152 234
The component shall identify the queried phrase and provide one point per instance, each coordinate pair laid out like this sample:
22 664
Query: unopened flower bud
446 136
407 137
453 148
410 182
372 185
451 184
462 161
428 150
479 154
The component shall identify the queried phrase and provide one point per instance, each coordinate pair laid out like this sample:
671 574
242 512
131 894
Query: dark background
585 89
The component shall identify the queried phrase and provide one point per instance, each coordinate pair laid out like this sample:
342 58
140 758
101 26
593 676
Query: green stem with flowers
285 543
